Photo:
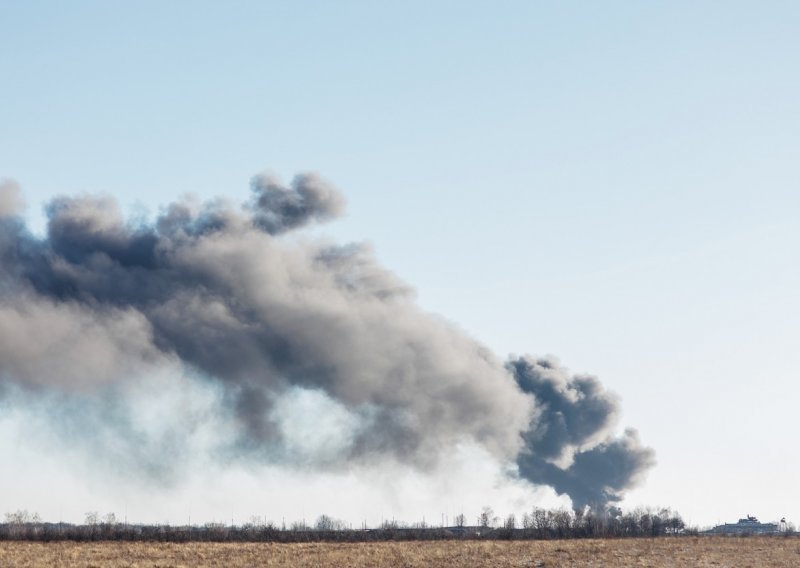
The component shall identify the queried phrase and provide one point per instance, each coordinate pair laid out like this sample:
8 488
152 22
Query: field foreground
662 552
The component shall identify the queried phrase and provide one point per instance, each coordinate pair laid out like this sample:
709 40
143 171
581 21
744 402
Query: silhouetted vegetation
539 524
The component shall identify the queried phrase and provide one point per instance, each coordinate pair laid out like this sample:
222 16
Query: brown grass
716 552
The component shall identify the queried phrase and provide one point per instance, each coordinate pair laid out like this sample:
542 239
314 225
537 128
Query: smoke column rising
218 289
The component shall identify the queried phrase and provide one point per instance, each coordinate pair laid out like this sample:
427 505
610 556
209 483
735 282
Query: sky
614 184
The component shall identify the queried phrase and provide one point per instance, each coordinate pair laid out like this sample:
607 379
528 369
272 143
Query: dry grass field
664 552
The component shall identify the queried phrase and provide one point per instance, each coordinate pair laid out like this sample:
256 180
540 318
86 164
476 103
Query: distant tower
782 527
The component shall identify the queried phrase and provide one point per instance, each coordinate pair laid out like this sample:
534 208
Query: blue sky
615 183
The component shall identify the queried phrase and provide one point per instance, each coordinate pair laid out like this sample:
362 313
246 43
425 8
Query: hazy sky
611 183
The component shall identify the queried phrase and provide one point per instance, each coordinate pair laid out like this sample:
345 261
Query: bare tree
487 518
22 517
541 522
527 521
561 522
511 522
325 523
297 526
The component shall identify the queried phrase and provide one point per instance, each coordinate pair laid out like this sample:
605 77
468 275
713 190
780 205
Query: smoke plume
570 443
217 289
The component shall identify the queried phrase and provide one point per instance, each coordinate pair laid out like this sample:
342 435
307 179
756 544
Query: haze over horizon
609 185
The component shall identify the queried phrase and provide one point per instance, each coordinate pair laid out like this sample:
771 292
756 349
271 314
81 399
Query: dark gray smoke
215 288
570 444
277 210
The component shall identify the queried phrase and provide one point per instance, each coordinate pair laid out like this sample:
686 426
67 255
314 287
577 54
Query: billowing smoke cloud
278 210
214 288
570 443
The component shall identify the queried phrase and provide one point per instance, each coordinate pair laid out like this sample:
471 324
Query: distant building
748 525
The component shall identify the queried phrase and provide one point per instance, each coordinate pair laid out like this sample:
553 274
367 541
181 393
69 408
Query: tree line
536 524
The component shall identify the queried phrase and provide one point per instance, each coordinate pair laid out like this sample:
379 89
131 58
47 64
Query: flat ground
664 552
